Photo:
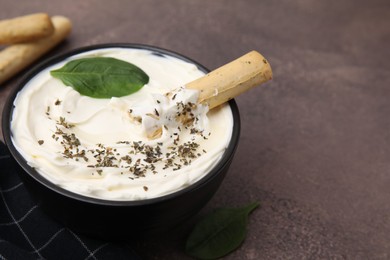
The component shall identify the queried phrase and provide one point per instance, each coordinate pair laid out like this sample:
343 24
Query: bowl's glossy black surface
117 219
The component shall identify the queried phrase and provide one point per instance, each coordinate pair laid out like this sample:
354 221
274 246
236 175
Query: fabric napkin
27 233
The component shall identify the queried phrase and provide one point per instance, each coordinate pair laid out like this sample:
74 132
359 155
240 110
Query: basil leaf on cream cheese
102 77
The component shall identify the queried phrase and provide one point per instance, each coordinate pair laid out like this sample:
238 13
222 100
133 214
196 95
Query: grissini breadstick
221 85
18 56
232 79
25 28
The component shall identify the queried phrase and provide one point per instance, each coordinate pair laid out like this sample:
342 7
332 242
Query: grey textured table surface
315 142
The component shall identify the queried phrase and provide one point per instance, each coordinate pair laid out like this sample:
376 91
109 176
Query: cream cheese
99 147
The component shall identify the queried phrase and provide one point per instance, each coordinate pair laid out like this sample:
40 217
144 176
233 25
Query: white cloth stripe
95 251
4 157
12 188
21 219
50 240
1 256
17 224
82 243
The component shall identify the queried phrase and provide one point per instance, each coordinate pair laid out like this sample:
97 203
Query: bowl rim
7 132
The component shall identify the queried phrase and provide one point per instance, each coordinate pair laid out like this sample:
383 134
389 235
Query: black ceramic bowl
117 219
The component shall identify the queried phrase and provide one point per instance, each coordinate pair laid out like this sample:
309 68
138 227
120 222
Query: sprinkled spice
65 124
137 119
141 158
58 102
152 116
40 142
184 113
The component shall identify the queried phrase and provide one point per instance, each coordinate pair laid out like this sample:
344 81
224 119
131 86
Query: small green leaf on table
219 233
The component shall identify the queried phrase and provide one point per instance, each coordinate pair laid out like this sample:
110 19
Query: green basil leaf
219 233
102 77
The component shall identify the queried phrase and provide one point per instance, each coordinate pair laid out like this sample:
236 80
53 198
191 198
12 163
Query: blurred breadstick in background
18 56
25 28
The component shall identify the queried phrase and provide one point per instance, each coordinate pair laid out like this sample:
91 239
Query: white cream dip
94 147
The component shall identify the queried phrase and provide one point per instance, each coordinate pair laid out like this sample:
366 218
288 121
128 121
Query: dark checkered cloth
27 233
